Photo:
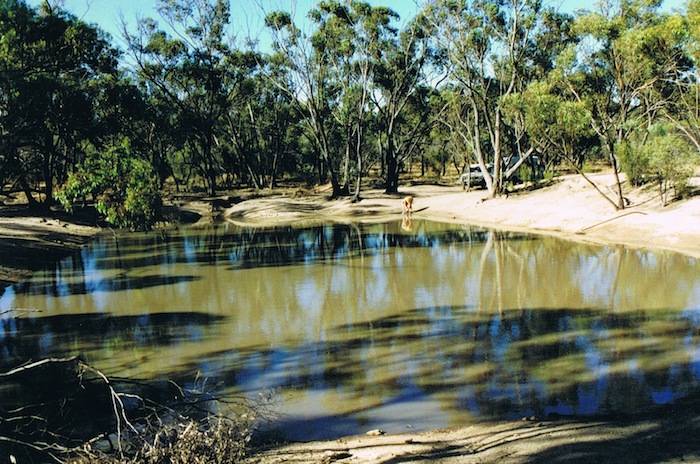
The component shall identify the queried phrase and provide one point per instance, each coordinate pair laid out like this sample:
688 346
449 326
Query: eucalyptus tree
300 68
489 49
352 33
403 99
682 106
555 126
124 112
52 64
259 128
628 55
195 71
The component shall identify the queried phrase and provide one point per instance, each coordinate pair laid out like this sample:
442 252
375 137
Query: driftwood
83 415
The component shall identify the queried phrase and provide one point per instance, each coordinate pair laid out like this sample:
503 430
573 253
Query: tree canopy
353 94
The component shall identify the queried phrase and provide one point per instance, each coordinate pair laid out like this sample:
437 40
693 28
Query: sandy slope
665 438
29 242
569 207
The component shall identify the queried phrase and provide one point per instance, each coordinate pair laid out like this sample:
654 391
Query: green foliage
633 162
52 66
124 187
557 127
670 164
664 158
351 86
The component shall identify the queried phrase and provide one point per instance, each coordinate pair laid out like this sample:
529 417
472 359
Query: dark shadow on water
515 387
119 283
581 365
55 336
519 363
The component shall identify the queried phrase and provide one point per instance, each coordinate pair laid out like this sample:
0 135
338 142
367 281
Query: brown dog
407 205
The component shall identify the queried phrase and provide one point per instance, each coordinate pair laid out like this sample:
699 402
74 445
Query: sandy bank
570 208
30 241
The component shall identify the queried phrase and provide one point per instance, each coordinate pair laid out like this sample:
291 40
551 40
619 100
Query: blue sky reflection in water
364 326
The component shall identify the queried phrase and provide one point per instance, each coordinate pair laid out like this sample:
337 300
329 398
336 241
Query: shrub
83 416
670 165
634 162
123 186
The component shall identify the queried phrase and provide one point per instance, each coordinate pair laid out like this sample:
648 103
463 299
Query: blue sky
107 13
246 13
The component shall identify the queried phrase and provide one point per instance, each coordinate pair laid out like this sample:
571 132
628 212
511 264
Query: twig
19 310
117 405
26 367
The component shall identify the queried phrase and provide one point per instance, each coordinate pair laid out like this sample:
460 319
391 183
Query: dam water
356 327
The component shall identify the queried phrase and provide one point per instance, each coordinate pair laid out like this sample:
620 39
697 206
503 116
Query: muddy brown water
357 327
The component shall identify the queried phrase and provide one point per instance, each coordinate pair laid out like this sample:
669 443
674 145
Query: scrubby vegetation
122 186
64 410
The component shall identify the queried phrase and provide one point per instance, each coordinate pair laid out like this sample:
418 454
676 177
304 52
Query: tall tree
682 105
258 130
402 99
489 50
51 67
628 50
553 125
196 72
301 70
354 33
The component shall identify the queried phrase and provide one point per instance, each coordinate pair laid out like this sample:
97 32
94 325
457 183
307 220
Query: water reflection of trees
515 363
510 324
112 263
509 264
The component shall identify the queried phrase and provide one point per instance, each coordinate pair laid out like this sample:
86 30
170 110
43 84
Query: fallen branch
36 364
81 411
19 310
586 229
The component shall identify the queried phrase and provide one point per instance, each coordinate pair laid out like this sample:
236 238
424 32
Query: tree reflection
358 320
516 363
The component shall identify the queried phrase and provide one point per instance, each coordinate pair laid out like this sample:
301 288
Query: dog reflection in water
407 205
407 223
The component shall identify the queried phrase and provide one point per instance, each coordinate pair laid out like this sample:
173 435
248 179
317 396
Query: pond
356 327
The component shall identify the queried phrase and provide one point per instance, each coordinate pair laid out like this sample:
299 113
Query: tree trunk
48 180
358 155
392 168
618 182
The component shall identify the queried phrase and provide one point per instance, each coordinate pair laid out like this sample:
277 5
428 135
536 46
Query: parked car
474 177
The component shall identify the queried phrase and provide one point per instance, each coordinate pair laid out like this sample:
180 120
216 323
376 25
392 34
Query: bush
123 186
634 162
664 158
670 165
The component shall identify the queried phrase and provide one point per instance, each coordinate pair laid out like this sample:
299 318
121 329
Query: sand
568 208
33 240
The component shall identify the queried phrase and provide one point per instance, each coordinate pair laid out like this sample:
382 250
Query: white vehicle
474 176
